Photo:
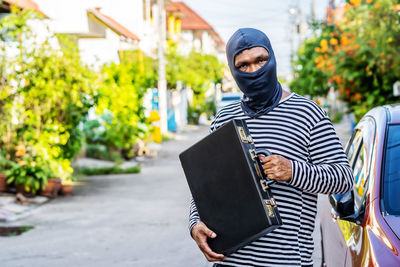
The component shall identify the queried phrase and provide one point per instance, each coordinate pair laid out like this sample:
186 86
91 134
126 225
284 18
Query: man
307 156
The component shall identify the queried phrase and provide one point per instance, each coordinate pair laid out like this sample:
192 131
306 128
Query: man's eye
243 66
262 60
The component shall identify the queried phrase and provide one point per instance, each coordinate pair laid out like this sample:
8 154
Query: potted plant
4 165
28 175
61 169
52 188
67 186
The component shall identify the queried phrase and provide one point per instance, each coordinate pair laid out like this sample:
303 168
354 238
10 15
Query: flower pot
3 183
66 189
20 188
52 188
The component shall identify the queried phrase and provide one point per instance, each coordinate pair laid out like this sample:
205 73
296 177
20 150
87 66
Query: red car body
365 233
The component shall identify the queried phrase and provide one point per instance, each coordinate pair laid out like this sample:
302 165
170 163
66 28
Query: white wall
71 17
96 52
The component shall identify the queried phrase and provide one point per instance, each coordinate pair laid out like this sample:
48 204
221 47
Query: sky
272 17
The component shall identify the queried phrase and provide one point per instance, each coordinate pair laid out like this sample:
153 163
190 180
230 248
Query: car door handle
334 215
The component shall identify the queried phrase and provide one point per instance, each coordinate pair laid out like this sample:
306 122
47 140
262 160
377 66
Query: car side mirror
343 206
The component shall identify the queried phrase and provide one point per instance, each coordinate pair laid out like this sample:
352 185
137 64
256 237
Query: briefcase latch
244 137
269 208
269 203
253 154
264 185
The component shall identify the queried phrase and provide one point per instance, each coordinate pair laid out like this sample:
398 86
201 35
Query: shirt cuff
295 181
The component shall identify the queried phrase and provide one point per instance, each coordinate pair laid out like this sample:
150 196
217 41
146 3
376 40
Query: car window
360 176
353 146
391 173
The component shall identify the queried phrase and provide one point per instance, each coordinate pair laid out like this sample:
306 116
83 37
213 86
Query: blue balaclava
261 88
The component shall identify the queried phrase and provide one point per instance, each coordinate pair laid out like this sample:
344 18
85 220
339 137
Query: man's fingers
211 234
200 236
269 158
208 232
208 252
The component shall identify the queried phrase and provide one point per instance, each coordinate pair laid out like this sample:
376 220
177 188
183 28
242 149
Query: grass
107 170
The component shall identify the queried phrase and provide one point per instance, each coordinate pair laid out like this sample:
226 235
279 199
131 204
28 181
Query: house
102 27
192 32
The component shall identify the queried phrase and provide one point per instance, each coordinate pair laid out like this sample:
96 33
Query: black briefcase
229 188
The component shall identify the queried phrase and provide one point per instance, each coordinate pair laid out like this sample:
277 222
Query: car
362 227
228 98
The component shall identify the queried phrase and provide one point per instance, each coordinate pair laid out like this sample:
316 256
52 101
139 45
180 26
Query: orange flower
324 45
317 49
396 7
372 43
355 2
367 68
333 41
20 150
357 96
344 41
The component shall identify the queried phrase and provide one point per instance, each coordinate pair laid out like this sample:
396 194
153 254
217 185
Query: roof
26 4
113 25
190 19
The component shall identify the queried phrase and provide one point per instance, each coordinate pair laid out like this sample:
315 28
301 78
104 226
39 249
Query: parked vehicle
228 98
362 227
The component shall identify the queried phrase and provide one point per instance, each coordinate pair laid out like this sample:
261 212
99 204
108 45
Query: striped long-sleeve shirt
299 130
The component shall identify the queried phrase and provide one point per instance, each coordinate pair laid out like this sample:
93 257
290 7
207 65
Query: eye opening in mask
251 59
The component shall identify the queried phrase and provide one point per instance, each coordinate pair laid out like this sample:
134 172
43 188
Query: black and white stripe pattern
299 130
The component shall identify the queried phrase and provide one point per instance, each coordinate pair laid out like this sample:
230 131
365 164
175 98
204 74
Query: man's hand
277 167
200 232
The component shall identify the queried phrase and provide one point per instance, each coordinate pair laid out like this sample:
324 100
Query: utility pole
162 82
313 18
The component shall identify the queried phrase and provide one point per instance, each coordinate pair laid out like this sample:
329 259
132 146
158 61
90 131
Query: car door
344 241
334 233
355 234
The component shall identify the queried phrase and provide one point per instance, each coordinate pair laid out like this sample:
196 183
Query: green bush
45 92
107 170
120 104
32 173
98 151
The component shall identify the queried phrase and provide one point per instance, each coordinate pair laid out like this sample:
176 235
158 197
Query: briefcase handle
265 152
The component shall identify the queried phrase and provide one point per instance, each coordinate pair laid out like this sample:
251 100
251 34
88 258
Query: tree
358 55
121 100
45 93
198 71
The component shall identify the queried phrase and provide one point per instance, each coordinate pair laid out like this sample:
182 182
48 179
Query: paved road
118 220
